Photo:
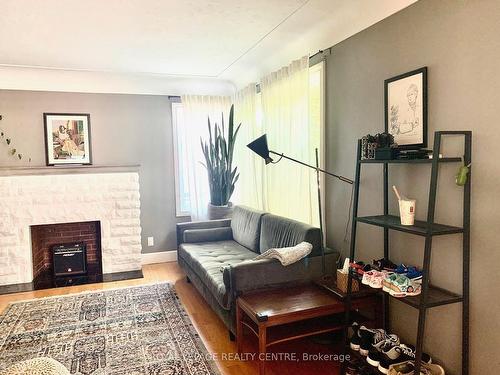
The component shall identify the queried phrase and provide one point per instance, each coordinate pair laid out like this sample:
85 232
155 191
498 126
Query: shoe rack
431 295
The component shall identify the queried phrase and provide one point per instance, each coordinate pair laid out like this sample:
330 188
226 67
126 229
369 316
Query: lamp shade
259 146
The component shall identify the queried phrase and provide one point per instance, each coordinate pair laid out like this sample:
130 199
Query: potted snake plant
222 177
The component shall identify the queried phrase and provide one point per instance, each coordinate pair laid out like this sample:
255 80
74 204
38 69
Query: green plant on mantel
12 149
218 154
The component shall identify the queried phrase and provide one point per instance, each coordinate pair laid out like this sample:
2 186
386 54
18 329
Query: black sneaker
359 335
355 339
375 339
376 352
399 354
384 264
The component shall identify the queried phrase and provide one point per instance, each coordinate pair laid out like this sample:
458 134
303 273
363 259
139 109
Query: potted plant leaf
222 177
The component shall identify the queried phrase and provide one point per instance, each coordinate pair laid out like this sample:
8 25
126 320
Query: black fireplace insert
69 259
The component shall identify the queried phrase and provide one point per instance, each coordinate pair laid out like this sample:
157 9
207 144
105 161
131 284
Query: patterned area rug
133 331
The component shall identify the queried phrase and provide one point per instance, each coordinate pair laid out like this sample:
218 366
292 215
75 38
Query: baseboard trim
160 257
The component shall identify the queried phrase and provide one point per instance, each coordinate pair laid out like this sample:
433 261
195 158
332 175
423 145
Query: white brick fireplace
111 198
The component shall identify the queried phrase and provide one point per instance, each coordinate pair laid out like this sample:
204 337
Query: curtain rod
321 55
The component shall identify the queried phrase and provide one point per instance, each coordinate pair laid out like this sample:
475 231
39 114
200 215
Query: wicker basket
342 279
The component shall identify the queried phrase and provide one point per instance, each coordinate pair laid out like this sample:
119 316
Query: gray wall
459 42
126 129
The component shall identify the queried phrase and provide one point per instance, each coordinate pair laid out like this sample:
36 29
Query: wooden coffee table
279 315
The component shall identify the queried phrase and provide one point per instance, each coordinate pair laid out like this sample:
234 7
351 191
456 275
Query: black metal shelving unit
431 295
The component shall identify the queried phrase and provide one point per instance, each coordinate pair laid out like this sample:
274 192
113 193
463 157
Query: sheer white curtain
197 110
248 189
282 111
289 188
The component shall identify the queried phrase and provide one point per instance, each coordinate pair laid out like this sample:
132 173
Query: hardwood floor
211 329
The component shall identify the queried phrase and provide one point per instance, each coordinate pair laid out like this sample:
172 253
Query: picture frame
67 139
405 99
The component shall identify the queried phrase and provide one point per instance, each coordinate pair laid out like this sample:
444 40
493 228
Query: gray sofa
217 256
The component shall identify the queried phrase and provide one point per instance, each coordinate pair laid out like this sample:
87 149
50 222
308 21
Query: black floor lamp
260 147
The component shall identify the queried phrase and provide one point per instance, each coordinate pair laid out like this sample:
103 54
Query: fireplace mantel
67 169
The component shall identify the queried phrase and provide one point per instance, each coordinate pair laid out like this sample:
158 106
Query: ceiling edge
40 79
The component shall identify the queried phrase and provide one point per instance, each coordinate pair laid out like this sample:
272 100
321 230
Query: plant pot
220 212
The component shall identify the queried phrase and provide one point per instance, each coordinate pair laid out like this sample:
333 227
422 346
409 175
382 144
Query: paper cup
407 211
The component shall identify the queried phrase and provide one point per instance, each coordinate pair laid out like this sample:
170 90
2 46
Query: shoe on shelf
414 274
355 338
375 354
358 269
377 279
367 277
356 265
387 283
401 269
399 354
375 338
384 264
407 368
365 269
404 287
360 334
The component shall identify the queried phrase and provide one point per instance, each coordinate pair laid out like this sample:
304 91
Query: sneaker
367 277
355 339
375 339
377 279
407 368
356 266
365 269
401 269
386 284
399 354
384 264
359 269
376 353
414 274
404 287
359 334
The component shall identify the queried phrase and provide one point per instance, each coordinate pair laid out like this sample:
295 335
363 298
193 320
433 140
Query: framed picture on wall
406 108
67 138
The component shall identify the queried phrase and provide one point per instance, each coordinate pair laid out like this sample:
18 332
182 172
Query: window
182 206
254 116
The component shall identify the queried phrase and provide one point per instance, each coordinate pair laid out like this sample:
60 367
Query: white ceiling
234 40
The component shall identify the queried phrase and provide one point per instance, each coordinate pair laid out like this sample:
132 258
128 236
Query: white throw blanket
287 255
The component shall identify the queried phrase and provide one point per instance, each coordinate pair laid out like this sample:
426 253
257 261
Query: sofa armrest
265 273
207 235
181 227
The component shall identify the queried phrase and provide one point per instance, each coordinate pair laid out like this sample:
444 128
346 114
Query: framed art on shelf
406 108
67 138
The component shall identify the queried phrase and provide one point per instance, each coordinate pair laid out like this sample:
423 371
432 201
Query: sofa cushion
210 234
277 231
246 223
208 258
